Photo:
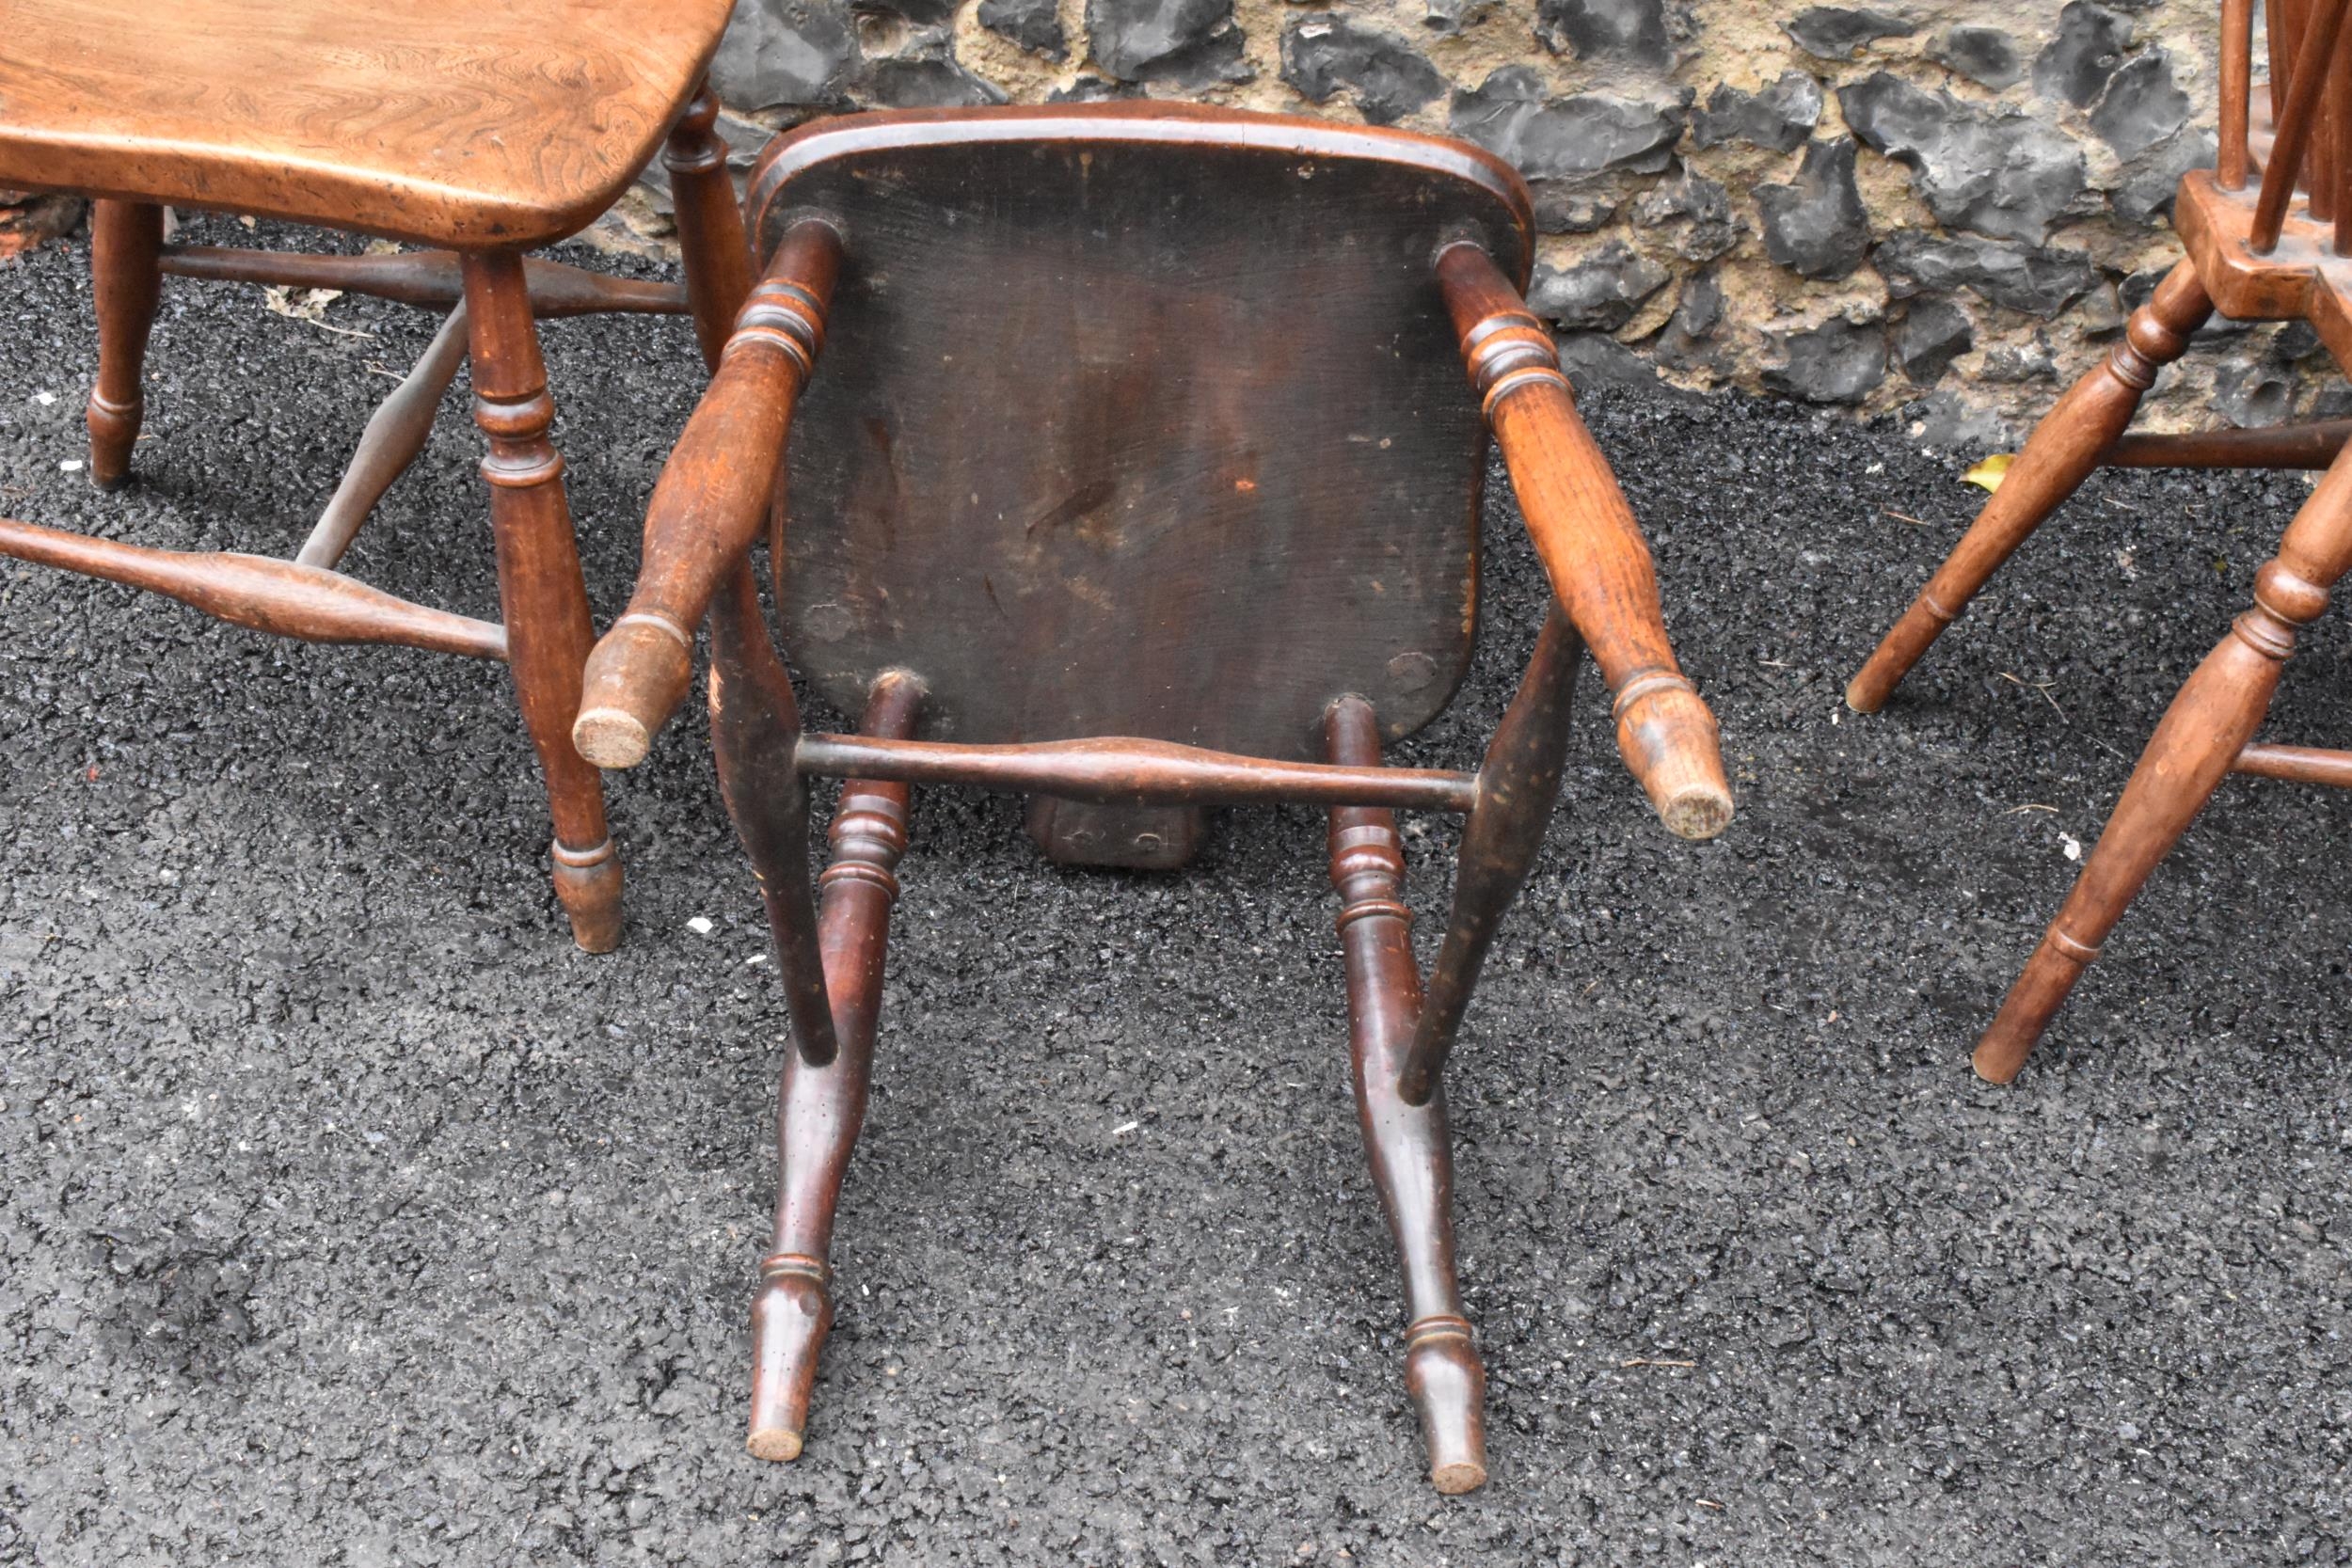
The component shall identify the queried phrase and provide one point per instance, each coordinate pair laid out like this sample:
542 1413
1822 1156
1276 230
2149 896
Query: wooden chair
1139 478
2268 232
477 131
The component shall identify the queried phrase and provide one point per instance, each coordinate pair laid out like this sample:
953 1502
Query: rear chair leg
2208 724
1412 1163
822 1104
126 238
2063 451
544 601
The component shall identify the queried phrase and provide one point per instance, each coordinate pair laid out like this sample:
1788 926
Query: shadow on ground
347 1214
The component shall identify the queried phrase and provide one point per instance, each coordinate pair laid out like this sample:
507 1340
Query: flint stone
1930 336
2141 105
1815 227
1835 362
1034 25
1192 43
1986 55
1687 340
1699 210
932 79
1634 31
786 53
2018 362
1563 137
1447 18
2152 180
2084 53
1093 90
2017 278
1779 117
1595 359
1599 294
1321 53
1833 34
919 13
2253 392
1997 173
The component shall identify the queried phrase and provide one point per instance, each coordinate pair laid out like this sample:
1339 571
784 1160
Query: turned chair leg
1412 1162
709 223
2210 720
821 1104
2063 451
545 602
126 239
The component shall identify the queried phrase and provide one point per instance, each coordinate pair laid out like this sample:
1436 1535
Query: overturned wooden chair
1138 476
2268 232
476 131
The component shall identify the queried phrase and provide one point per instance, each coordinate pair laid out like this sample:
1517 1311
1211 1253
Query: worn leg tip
1463 1475
1862 699
1996 1067
774 1445
588 884
108 483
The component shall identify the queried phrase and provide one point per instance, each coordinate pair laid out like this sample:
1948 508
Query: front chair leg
126 239
544 601
1518 783
2209 723
709 223
1412 1161
2062 452
821 1105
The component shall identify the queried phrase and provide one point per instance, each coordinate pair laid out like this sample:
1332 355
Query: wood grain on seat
455 122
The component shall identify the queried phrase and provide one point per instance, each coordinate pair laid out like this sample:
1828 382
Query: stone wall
1942 207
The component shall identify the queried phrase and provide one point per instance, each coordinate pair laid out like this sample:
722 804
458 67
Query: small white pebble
45 399
1125 1126
700 926
71 465
757 959
2072 845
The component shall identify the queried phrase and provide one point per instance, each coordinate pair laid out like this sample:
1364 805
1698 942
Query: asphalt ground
348 1215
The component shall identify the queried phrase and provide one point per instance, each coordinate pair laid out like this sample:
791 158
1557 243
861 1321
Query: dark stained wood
278 596
2296 764
710 502
1411 1154
446 121
545 602
1592 550
430 279
710 222
1128 771
396 431
1131 838
1516 787
1140 451
754 725
124 239
819 1107
2282 446
2063 451
2203 737
2253 254
1199 417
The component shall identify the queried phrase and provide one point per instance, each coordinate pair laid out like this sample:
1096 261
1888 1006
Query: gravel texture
349 1215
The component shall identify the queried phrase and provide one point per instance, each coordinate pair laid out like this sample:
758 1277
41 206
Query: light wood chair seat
449 122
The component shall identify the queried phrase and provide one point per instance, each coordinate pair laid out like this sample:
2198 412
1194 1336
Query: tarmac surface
349 1215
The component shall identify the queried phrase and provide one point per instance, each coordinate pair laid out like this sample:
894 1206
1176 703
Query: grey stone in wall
1930 336
1034 25
1997 172
1986 55
925 78
787 54
1836 34
1190 43
1692 213
2087 48
1599 294
1840 362
1634 31
2019 277
1323 52
1816 226
1779 117
2141 106
1548 138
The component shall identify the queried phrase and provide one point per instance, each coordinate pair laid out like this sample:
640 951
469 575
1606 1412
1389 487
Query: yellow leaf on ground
1988 474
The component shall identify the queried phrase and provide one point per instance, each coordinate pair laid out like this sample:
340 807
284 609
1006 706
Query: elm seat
449 122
